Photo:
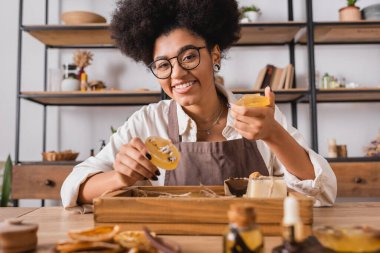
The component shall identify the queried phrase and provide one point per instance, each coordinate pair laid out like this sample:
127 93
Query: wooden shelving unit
345 32
268 33
63 35
348 95
104 98
282 96
99 35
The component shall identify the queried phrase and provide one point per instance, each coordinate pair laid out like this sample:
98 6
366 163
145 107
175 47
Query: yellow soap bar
164 154
253 100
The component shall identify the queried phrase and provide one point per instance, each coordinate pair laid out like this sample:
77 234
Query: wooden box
195 215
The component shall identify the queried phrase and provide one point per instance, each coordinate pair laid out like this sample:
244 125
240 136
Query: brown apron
210 163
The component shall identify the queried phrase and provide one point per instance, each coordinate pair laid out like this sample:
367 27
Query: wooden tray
196 215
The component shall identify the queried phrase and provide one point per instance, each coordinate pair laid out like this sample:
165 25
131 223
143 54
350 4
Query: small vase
70 84
252 16
349 13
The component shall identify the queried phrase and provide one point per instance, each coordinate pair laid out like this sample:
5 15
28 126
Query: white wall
81 128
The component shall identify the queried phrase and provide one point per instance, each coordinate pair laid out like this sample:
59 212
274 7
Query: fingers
269 94
138 144
248 111
132 160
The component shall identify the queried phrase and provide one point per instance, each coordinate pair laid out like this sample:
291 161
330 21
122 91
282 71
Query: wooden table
54 222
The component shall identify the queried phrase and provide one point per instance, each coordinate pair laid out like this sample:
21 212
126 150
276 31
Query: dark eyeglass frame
179 62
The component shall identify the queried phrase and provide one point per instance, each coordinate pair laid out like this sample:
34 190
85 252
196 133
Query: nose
177 70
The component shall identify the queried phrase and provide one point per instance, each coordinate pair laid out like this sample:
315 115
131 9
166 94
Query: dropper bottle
292 232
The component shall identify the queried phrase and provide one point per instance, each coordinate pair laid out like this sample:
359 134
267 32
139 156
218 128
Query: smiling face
187 87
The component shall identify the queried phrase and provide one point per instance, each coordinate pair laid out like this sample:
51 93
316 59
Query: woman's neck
207 113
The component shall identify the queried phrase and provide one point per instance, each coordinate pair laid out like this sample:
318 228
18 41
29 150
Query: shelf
282 96
353 159
361 32
47 163
348 95
64 35
267 33
105 98
99 35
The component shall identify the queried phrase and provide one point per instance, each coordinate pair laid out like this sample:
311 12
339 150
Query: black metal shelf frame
310 96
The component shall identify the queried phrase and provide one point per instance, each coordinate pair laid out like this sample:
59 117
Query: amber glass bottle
243 235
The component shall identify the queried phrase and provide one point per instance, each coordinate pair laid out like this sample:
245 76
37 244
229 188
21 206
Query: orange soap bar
253 100
164 154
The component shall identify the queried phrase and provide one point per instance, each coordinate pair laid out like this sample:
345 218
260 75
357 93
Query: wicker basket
53 156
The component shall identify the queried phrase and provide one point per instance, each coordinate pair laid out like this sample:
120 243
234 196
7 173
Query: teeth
185 85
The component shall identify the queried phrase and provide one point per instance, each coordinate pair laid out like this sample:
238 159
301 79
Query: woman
181 42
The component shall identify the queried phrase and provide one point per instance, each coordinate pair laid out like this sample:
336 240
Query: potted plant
249 13
5 189
351 12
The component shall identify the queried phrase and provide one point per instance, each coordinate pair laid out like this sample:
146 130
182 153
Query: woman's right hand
133 163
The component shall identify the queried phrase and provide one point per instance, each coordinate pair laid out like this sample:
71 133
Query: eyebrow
178 52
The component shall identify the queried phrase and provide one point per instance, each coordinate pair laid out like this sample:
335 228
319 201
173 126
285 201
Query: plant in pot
249 13
5 188
351 12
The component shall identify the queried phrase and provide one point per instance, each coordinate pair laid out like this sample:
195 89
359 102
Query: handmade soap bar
253 100
266 187
164 154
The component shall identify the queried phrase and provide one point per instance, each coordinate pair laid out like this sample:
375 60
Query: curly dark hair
136 24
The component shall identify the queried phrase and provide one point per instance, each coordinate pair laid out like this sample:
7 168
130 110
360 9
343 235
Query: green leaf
113 130
7 183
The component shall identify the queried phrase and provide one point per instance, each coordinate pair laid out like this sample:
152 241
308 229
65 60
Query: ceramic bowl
81 17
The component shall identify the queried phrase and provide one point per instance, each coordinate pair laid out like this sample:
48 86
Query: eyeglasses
188 59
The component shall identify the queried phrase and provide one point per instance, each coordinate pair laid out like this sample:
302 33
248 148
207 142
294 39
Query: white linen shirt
152 120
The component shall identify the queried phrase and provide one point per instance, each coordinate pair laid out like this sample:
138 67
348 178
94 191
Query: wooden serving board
189 215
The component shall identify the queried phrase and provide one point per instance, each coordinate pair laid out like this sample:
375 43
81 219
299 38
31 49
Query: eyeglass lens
188 59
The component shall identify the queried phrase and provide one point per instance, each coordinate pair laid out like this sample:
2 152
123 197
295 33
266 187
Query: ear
216 54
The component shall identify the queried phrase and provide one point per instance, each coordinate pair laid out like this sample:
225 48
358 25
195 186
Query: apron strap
173 129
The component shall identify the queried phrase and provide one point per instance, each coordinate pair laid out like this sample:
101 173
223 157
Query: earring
216 67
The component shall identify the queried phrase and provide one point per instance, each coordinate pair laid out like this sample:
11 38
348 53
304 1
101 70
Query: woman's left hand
255 123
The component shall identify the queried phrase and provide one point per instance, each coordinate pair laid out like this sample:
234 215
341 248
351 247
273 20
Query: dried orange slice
98 234
253 100
99 247
164 154
135 240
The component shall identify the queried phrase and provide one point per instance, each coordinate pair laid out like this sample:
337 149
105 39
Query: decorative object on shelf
336 151
333 150
81 17
331 82
83 82
350 13
5 193
70 80
96 85
374 148
342 151
249 14
82 59
53 156
371 12
274 77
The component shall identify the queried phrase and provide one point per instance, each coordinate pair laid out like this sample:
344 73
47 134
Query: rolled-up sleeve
102 162
324 186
